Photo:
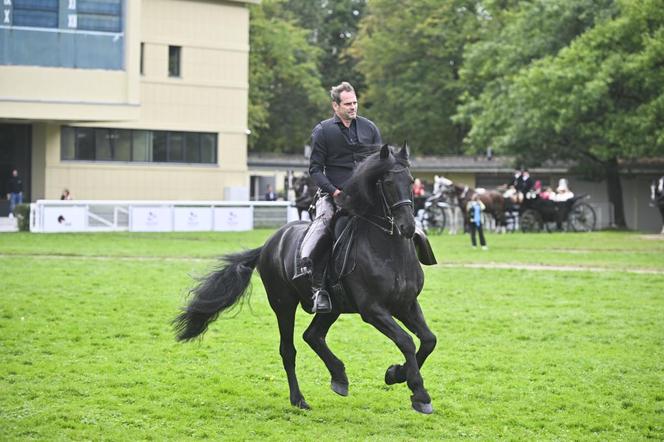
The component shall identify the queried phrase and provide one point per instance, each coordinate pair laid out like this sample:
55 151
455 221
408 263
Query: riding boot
321 299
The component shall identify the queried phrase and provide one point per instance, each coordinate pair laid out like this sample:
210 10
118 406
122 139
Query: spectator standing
15 195
270 195
66 195
418 188
475 209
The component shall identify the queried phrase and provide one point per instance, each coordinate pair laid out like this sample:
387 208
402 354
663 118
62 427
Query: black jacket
15 184
334 156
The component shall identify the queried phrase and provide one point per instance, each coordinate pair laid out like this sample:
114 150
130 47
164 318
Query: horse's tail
215 293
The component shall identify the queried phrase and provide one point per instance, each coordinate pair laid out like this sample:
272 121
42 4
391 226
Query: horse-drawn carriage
531 214
537 214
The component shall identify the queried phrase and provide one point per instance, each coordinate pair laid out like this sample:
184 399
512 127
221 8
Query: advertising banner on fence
192 219
64 219
151 219
233 219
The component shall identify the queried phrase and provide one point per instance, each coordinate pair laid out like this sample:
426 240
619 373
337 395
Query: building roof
433 164
454 163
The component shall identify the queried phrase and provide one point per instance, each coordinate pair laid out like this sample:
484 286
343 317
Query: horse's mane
359 195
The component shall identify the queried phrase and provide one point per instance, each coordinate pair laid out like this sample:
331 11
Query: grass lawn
523 354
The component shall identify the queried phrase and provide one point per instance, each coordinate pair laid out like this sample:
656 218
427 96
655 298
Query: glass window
174 61
208 148
122 145
142 145
192 149
68 143
36 13
142 64
103 145
175 149
85 143
99 15
159 146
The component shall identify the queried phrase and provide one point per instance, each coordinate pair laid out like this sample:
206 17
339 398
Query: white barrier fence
157 216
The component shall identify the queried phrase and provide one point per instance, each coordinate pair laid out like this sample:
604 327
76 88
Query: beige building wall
211 95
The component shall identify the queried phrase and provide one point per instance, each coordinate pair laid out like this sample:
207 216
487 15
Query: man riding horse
339 144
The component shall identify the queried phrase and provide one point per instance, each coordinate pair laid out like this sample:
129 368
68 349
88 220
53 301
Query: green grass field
570 349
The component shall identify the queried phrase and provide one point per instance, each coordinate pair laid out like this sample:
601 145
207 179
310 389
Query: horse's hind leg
285 312
414 320
384 322
315 337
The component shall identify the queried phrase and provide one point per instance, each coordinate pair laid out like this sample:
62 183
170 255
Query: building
480 171
120 99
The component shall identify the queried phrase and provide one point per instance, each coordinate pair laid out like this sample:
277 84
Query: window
174 61
142 67
141 145
99 15
36 13
102 144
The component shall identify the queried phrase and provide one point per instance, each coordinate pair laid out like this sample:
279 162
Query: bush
22 213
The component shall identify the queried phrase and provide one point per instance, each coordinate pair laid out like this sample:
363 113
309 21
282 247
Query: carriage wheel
581 218
434 220
530 221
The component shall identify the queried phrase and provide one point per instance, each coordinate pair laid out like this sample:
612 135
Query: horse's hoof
392 375
339 388
302 405
422 407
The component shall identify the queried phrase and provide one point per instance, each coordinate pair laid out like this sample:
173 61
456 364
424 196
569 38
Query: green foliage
286 98
582 86
22 212
87 350
333 27
410 53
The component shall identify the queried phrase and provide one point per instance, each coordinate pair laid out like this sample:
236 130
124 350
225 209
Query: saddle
342 259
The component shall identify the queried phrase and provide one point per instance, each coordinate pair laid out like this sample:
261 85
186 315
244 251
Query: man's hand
336 193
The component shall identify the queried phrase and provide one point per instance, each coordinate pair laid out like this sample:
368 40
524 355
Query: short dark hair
335 91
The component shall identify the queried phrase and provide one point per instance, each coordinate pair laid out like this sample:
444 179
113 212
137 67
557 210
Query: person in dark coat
270 195
15 195
657 197
338 145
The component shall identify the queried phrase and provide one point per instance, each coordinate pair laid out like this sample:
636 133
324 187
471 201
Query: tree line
574 80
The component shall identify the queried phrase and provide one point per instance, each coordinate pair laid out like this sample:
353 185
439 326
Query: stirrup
321 302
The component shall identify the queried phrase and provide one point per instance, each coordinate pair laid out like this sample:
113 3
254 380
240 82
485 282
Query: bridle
388 208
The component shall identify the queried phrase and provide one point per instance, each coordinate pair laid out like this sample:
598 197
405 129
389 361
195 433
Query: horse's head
381 186
396 192
441 184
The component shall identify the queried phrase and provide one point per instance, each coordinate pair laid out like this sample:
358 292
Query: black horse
383 282
305 191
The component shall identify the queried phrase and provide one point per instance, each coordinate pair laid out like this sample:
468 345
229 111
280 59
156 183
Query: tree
410 53
286 97
598 100
333 26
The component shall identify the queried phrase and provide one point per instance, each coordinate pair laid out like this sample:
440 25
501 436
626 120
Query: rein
388 208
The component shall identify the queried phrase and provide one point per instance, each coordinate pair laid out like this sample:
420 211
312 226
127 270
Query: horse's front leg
414 320
285 313
314 335
384 322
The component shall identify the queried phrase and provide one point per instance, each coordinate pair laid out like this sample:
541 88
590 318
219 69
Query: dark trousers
475 228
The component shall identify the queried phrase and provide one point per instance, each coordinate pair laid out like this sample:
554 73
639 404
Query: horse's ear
384 152
403 153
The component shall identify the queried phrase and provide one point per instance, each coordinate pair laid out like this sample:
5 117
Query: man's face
346 109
